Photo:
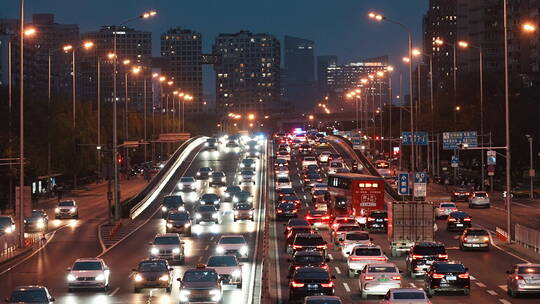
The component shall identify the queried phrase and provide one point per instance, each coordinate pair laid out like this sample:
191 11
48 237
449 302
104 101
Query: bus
355 194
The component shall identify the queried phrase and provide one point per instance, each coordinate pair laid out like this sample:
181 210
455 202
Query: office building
323 63
299 78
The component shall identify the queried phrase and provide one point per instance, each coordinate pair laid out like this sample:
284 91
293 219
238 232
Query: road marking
200 258
503 287
504 301
472 278
114 292
207 246
330 256
305 197
501 249
412 285
491 292
212 238
346 287
480 284
337 270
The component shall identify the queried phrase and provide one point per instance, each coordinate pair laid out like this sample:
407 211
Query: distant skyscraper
182 51
299 80
248 74
323 63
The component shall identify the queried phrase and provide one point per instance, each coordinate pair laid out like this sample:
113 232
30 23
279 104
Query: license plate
451 278
476 245
379 220
383 279
459 225
312 286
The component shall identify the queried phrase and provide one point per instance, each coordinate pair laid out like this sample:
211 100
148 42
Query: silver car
66 209
168 246
246 176
377 279
187 184
523 278
405 296
88 273
479 199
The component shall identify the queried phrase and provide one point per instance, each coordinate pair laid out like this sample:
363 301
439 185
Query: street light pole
99 116
145 106
507 128
73 85
21 131
531 165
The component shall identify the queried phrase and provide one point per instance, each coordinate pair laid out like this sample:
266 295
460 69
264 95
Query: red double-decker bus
355 194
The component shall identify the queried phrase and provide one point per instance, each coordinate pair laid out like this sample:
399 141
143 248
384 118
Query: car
308 281
168 246
444 209
88 273
323 143
296 222
296 143
246 176
253 144
228 269
334 165
405 296
342 229
233 244
458 220
342 170
229 192
309 242
283 155
242 197
318 218
377 220
318 196
218 178
312 168
362 255
305 149
200 284
280 162
312 178
282 171
324 156
171 203
342 219
243 211
7 224
289 237
460 194
307 259
523 279
292 198
479 199
30 294
187 184
66 209
285 147
178 222
284 192
232 146
335 156
286 210
283 182
204 173
447 276
474 238
350 239
206 213
248 163
152 273
38 221
252 153
378 279
309 160
422 255
210 199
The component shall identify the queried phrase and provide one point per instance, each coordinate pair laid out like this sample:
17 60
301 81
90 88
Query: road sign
356 141
452 140
491 157
420 189
491 170
420 177
403 186
420 138
455 161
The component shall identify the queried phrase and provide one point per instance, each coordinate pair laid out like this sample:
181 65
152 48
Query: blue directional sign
403 184
420 177
420 138
452 140
455 161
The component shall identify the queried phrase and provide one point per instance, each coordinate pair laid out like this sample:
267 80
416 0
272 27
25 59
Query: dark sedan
461 194
286 210
447 276
179 222
154 273
458 220
310 281
307 259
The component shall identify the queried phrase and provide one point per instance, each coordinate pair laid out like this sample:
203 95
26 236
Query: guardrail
527 237
141 201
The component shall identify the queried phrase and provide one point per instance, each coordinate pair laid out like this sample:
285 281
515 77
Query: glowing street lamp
416 52
463 44
406 59
29 32
528 27
67 47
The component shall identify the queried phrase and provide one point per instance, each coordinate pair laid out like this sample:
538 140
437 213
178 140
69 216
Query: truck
409 222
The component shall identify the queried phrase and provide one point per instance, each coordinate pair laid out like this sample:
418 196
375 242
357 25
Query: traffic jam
344 237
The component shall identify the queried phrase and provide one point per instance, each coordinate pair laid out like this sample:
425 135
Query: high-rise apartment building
182 52
323 63
248 72
299 81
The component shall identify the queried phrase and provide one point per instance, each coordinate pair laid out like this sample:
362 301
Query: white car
248 163
234 244
246 176
377 279
88 273
228 268
187 184
342 229
334 166
445 209
283 155
361 255
283 182
168 246
479 199
352 238
282 171
284 147
324 156
405 296
309 160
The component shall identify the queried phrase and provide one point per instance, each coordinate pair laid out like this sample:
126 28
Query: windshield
309 241
153 266
320 192
232 240
349 228
205 170
283 153
166 240
480 194
243 195
183 216
36 213
5 221
287 206
243 207
29 296
477 232
87 266
173 201
357 237
313 175
381 269
448 206
379 214
529 270
222 261
248 162
66 204
311 276
247 173
283 180
309 259
336 165
367 251
447 267
187 180
207 208
200 276
233 189
429 250
209 197
311 159
409 295
218 174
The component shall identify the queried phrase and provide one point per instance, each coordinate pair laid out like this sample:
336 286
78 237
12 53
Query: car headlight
164 209
237 273
40 224
186 225
250 199
72 209
176 251
244 250
242 165
184 295
235 212
154 251
198 173
206 144
138 278
250 212
214 215
216 294
57 210
71 278
181 208
198 215
164 277
169 225
100 277
220 249
9 230
235 199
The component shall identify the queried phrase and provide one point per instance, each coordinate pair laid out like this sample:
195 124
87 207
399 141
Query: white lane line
207 246
491 232
330 256
212 238
338 271
491 292
504 301
305 197
412 285
346 287
480 284
472 278
114 292
200 258
503 287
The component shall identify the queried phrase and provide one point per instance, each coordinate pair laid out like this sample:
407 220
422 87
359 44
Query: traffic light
119 159
377 138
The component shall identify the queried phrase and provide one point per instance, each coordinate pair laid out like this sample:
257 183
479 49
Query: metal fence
527 237
8 244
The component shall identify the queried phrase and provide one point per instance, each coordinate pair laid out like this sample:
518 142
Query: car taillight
451 219
417 256
437 276
369 278
325 267
386 219
319 179
294 211
370 219
467 193
518 277
326 217
396 278
327 285
456 193
280 211
321 246
465 239
485 239
463 275
289 235
297 246
296 284
467 219
443 256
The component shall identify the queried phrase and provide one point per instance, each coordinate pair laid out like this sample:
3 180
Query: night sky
338 27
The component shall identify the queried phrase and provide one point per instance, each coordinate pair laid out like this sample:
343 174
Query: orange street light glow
67 48
380 73
149 14
126 61
30 31
88 44
170 82
364 80
162 78
390 68
155 75
463 44
375 16
416 52
406 59
175 93
439 41
111 55
136 70
528 27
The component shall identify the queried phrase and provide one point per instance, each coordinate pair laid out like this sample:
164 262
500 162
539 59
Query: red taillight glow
396 278
370 219
437 276
280 211
443 256
327 285
518 277
297 246
451 219
369 278
417 256
463 275
321 246
296 284
456 193
467 219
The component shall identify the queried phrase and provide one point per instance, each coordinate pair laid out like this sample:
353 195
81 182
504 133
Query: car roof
459 214
30 287
167 235
232 235
383 265
88 260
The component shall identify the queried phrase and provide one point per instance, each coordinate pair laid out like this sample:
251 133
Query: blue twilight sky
338 27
